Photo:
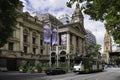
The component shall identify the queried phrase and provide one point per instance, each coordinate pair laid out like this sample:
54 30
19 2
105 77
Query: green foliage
8 17
97 47
30 69
71 2
86 65
26 67
63 65
37 67
23 67
107 11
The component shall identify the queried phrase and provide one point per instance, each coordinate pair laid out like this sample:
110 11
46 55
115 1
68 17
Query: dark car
54 71
3 69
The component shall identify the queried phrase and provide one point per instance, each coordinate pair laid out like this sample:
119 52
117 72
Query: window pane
25 49
34 50
25 38
10 46
34 40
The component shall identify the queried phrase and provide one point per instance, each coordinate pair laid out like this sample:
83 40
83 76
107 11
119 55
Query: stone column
38 43
68 43
21 38
68 50
30 40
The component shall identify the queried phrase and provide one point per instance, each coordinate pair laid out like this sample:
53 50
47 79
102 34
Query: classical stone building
26 42
107 47
71 37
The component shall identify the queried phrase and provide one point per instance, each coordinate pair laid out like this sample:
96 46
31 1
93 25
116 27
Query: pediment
74 27
78 27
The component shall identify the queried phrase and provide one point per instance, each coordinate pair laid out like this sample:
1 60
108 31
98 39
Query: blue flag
47 33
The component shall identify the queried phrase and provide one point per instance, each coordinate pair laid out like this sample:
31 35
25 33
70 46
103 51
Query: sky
57 8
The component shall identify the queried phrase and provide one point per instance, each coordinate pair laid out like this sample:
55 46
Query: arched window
34 37
25 35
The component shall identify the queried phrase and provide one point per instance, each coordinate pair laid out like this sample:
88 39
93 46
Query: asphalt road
21 76
108 74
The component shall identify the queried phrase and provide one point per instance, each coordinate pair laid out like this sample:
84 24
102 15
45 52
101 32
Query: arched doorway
53 57
62 56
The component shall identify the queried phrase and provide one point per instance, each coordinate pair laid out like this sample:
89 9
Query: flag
55 36
63 38
47 33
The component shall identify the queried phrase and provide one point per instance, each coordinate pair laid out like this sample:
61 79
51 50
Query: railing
9 53
62 47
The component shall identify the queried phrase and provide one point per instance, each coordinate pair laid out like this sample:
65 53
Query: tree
107 11
8 15
97 47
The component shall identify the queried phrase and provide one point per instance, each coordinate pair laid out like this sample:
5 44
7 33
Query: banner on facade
47 33
63 38
55 36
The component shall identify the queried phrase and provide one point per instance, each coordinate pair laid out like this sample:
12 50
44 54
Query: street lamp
68 65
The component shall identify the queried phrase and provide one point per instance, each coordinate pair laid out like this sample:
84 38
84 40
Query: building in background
114 56
65 19
107 47
90 41
90 37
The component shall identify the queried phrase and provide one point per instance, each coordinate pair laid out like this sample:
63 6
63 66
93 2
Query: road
108 74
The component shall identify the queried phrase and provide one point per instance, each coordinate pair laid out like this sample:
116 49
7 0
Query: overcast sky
57 8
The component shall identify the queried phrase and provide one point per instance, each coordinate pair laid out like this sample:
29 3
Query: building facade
27 41
90 37
71 37
90 41
107 47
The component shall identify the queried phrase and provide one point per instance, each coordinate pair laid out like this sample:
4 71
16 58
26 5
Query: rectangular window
41 51
77 41
59 38
34 40
25 38
34 50
41 42
71 39
10 46
25 49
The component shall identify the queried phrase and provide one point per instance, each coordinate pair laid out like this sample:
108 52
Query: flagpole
50 56
50 46
47 39
57 48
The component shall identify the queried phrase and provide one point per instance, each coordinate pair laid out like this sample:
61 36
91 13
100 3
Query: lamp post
57 56
68 65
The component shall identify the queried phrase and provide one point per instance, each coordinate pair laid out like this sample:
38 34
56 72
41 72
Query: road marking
58 79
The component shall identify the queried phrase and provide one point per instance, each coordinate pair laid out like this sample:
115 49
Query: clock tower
107 47
77 15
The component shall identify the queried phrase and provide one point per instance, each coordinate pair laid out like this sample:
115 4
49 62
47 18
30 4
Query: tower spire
77 14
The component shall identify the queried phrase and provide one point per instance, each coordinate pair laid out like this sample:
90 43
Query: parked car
54 71
3 69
